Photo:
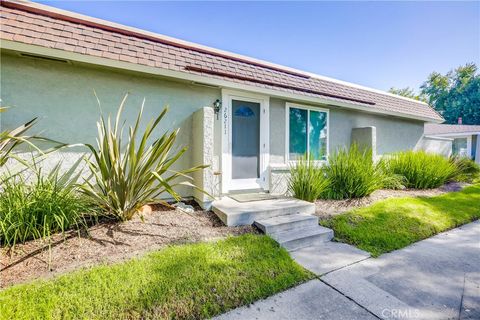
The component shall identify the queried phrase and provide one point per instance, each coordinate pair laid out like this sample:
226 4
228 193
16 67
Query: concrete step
234 213
290 222
296 239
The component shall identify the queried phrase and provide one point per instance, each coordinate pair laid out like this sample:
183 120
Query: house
245 117
465 138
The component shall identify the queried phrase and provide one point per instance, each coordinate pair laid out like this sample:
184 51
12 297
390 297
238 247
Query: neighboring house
247 118
465 138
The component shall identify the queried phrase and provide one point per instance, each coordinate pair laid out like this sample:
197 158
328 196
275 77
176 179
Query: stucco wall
392 134
366 139
61 94
438 145
202 153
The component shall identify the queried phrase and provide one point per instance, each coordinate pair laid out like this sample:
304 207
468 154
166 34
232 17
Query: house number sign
225 120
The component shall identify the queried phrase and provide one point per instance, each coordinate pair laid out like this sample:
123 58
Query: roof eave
73 56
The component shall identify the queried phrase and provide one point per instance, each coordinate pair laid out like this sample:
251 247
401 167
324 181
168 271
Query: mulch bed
109 242
328 208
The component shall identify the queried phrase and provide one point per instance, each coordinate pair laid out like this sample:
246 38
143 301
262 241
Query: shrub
466 169
128 176
36 208
11 139
352 174
420 170
307 180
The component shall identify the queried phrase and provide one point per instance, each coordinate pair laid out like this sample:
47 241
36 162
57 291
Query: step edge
322 237
304 217
282 239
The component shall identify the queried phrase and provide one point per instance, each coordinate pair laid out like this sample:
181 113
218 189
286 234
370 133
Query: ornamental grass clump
127 175
421 170
307 180
13 139
38 206
467 169
352 173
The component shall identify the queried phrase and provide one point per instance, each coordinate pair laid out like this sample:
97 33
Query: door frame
229 184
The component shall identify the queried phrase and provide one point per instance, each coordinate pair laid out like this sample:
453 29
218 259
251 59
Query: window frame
309 108
469 143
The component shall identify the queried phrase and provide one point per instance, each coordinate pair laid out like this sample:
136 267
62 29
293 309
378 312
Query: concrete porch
289 221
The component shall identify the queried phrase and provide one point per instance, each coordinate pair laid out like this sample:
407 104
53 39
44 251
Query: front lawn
187 282
395 223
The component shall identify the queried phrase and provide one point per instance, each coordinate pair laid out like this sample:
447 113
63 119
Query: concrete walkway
311 300
314 299
437 278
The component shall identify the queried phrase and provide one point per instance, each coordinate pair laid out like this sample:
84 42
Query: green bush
36 208
14 139
467 169
11 139
307 180
352 174
130 174
420 170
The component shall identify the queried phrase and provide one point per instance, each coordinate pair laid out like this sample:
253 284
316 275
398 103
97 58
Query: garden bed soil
110 242
328 208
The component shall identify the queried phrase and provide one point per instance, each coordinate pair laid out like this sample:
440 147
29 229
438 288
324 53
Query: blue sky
376 44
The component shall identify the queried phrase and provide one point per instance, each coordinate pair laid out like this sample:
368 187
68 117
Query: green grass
395 223
182 282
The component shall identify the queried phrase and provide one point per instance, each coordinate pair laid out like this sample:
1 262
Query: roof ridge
57 13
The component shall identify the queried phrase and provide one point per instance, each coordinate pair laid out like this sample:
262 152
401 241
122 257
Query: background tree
454 95
408 92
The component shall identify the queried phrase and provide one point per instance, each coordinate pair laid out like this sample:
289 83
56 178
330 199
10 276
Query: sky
375 44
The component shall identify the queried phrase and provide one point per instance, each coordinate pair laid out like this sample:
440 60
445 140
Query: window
459 147
307 130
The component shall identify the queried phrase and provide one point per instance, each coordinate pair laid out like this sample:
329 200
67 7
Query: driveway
437 278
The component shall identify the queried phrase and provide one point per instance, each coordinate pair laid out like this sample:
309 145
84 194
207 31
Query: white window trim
227 183
287 130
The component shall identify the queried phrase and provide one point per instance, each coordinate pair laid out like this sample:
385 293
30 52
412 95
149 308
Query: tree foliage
408 93
455 94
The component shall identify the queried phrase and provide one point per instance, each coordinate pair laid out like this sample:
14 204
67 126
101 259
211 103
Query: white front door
245 156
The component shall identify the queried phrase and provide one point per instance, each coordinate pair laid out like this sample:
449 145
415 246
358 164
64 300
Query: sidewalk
437 278
313 299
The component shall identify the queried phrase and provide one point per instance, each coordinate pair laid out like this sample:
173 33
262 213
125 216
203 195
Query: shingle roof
25 24
433 129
